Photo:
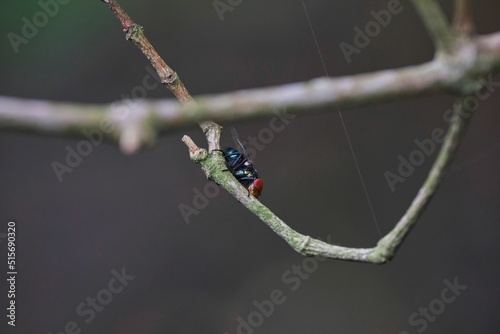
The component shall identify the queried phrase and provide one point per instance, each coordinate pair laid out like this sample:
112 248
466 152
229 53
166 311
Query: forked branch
460 60
389 244
214 166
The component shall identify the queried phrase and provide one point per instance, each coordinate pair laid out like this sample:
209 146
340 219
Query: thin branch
135 33
389 244
456 69
457 72
436 23
461 119
463 22
445 42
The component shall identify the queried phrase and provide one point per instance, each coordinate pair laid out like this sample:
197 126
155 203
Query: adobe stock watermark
222 6
372 29
252 144
427 146
88 308
30 28
292 279
420 319
121 109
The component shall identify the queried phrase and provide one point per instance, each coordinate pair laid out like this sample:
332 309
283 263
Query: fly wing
239 145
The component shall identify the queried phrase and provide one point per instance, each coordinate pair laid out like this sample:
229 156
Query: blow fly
240 165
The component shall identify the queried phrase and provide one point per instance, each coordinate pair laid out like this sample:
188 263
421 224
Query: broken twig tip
195 153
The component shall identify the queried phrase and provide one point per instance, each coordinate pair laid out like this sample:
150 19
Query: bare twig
463 22
436 23
458 64
457 73
388 245
135 33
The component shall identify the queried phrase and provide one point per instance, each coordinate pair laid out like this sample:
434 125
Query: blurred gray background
115 211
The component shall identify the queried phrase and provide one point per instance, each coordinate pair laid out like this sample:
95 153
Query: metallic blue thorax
240 166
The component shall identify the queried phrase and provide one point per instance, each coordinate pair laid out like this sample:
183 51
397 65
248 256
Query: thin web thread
343 124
